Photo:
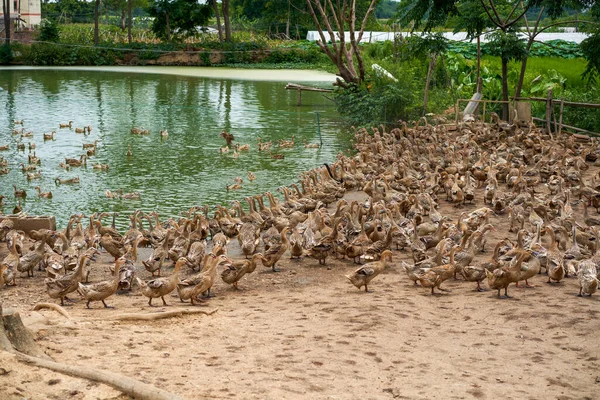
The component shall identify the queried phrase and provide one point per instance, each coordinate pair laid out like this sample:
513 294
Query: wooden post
549 111
562 106
456 111
299 97
484 104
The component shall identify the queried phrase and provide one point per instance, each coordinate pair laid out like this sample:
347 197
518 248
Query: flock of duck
533 177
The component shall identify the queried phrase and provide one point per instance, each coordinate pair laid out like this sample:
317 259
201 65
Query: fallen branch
128 386
153 316
54 307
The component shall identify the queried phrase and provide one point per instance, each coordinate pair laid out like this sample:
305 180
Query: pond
171 174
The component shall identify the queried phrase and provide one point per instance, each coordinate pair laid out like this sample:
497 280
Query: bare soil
305 332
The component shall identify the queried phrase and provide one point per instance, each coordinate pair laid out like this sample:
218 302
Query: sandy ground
307 333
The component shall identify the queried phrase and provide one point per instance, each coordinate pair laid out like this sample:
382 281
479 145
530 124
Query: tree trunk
168 28
14 337
478 85
427 81
505 89
225 6
123 24
96 17
129 21
218 17
6 4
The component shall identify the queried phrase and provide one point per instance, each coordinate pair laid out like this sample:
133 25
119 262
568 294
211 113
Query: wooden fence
549 121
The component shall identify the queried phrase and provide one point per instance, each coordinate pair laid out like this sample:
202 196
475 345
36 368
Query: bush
49 31
54 54
6 54
375 104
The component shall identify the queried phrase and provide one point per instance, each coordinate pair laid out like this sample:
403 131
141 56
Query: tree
226 19
473 20
178 18
327 16
96 17
503 14
6 8
125 8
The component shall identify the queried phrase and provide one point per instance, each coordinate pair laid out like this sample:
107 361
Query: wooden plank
295 86
472 105
570 127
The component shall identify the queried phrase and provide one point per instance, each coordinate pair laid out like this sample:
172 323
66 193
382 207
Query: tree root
54 307
128 386
159 315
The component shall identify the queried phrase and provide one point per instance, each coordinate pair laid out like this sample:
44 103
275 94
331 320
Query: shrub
6 54
49 31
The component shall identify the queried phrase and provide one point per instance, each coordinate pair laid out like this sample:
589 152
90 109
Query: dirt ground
306 333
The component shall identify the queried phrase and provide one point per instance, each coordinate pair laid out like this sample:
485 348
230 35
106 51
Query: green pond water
171 174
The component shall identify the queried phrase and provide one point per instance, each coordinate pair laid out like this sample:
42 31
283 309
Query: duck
229 138
249 238
164 134
101 167
275 252
196 254
114 247
43 195
11 265
587 278
193 286
365 274
19 192
90 145
67 125
503 277
100 291
68 283
251 176
237 269
129 153
555 259
77 162
59 181
533 265
30 260
435 276
311 145
159 255
160 287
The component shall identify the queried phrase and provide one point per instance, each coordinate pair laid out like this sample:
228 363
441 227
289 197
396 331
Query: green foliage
379 99
49 54
552 80
6 54
49 31
507 46
551 48
386 9
591 51
184 16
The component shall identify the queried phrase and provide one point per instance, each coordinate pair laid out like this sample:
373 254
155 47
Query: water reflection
172 175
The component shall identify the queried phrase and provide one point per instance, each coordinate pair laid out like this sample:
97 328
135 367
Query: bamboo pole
562 106
549 111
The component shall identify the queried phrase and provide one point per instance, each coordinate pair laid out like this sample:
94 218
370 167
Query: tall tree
96 18
328 16
176 19
226 19
6 8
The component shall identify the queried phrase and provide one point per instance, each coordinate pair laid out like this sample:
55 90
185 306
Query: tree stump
15 337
